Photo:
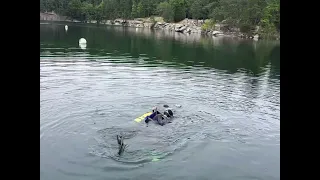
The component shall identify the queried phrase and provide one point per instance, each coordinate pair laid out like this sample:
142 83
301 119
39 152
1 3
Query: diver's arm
148 119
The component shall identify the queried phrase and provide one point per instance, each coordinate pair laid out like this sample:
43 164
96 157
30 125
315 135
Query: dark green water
227 128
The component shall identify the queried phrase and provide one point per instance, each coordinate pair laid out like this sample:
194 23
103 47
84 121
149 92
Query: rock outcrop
186 26
51 16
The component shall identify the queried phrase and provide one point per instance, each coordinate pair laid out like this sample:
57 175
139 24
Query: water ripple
86 100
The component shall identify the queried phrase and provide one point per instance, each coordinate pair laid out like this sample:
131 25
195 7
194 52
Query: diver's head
154 109
168 113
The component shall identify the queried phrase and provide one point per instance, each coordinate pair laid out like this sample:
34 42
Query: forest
244 14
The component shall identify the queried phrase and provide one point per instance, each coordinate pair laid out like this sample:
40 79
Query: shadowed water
228 125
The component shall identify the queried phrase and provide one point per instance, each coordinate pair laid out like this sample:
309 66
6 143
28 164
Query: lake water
227 128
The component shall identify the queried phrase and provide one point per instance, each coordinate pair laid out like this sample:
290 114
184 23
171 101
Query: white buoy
66 27
82 41
83 46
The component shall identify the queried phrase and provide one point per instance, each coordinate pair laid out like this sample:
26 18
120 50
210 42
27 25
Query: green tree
134 12
47 5
42 6
88 11
271 15
255 11
244 14
215 11
125 7
179 9
100 12
75 9
111 9
270 21
140 10
149 7
198 9
165 10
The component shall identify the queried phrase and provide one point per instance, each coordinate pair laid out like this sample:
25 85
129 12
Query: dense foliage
244 14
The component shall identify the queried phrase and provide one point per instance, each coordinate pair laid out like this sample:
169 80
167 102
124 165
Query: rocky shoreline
186 26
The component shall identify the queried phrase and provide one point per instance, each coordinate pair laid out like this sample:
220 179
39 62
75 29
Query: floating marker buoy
82 41
83 46
155 159
66 27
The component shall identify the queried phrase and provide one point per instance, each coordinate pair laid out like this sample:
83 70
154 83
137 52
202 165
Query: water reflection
89 96
274 58
165 48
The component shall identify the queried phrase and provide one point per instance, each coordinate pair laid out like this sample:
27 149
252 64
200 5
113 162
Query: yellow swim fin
139 119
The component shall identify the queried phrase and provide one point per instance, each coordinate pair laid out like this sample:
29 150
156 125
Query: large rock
178 26
52 16
120 21
137 22
257 28
188 30
217 27
196 30
235 29
147 25
181 29
217 33
169 27
108 22
159 25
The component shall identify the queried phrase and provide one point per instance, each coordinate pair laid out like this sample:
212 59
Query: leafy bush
166 11
208 25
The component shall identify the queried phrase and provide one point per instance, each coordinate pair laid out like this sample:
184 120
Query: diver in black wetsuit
121 144
161 119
